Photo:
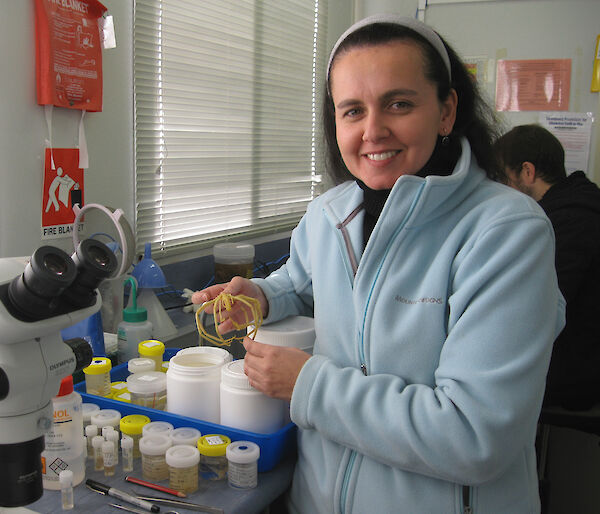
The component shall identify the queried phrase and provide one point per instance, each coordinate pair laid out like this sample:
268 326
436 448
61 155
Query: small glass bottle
65 478
183 468
97 442
133 426
105 417
213 462
87 409
140 365
113 437
108 458
127 453
154 464
242 457
97 376
152 349
90 432
185 435
106 430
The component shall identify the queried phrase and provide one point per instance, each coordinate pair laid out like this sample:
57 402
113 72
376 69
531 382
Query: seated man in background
531 160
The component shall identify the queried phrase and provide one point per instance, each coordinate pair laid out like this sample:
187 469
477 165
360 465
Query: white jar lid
182 456
91 430
233 253
140 364
195 363
105 417
157 427
155 444
185 435
127 442
293 331
65 477
147 382
97 442
88 409
242 452
232 374
227 357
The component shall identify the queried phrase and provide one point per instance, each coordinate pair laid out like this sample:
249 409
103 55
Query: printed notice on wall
574 131
69 53
533 85
63 187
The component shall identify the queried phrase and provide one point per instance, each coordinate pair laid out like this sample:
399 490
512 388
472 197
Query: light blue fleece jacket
429 364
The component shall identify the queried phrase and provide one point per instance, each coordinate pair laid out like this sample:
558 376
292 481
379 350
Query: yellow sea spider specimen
224 302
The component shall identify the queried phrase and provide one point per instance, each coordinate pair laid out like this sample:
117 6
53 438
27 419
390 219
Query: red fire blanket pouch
69 53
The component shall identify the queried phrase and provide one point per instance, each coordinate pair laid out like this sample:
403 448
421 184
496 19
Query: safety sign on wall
63 187
69 53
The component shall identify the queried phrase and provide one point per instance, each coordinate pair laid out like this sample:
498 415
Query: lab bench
271 484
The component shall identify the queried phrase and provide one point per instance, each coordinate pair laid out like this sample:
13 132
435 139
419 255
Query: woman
433 291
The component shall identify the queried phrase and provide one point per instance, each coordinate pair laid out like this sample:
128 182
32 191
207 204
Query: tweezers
183 504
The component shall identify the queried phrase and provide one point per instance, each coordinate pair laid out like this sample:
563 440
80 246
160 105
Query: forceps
183 504
134 510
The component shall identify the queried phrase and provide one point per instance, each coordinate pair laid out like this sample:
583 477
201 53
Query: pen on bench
121 495
157 487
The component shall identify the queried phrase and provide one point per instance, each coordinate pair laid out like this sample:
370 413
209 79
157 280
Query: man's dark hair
534 144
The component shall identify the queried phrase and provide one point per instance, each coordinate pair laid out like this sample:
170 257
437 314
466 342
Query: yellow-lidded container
133 426
118 387
123 396
213 461
152 349
97 376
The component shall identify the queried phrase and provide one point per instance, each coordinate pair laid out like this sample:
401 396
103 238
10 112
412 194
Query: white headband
412 23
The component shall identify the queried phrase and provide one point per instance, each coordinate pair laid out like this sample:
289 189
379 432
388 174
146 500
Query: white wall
109 179
519 29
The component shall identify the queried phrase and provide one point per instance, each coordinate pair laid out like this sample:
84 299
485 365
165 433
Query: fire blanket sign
69 53
63 188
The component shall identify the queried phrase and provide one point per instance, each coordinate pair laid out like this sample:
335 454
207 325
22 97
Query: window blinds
227 95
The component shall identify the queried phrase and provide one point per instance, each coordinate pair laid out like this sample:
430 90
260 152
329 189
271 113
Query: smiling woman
421 390
387 113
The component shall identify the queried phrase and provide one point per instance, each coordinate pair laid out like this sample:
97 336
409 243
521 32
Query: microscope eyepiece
94 262
48 273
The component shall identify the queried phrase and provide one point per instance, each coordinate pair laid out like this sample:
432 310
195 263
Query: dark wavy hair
474 118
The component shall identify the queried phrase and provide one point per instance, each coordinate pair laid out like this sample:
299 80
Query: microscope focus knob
4 385
44 424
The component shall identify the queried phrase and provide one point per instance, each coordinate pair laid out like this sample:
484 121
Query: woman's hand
237 286
273 370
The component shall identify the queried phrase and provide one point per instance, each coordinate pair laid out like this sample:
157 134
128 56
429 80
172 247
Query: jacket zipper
363 366
466 497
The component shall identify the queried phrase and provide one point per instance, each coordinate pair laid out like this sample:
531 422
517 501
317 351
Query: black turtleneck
442 162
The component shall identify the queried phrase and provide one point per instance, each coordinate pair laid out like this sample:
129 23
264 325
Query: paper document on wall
573 130
533 85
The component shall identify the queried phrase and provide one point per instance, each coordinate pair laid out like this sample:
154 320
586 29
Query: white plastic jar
140 365
226 356
193 381
106 417
148 389
152 349
186 436
87 409
158 427
183 461
153 449
246 408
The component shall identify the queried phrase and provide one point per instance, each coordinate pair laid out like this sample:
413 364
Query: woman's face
387 113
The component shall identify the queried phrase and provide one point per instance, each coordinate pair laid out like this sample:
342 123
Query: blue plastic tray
273 447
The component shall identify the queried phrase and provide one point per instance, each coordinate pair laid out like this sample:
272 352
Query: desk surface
215 494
